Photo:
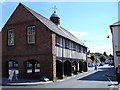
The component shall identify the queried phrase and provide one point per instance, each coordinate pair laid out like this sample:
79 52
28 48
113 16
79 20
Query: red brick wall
41 50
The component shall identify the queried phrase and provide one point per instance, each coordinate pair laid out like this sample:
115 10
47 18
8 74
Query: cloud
79 34
104 36
102 48
98 43
1 1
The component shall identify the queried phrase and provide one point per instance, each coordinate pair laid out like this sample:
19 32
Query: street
93 79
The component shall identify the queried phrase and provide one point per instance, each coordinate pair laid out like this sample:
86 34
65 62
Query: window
10 37
77 48
71 45
80 47
67 44
13 64
33 66
74 46
84 50
31 35
59 41
29 65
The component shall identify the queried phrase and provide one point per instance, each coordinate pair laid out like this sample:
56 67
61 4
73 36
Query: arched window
33 66
12 64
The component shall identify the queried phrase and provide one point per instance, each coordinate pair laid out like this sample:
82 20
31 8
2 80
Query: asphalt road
93 79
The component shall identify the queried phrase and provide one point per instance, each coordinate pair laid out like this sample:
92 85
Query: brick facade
54 60
21 51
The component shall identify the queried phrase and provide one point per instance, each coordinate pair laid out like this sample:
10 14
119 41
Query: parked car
111 63
91 65
101 64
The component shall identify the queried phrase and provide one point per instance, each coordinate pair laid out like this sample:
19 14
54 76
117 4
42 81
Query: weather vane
55 8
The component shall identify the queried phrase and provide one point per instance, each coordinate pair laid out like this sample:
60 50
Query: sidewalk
27 82
6 82
24 82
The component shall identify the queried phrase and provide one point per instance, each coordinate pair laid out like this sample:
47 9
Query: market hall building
35 46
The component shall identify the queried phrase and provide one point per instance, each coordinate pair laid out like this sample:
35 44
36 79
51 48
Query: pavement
109 74
25 82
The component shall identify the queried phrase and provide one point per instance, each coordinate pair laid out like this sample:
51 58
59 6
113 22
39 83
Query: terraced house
35 46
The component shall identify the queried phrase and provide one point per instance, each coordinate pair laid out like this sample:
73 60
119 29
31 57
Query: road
93 79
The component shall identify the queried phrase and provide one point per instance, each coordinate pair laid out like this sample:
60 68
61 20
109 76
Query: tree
98 54
102 58
110 55
105 54
92 57
88 52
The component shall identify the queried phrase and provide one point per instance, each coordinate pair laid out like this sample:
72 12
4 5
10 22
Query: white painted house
0 54
115 30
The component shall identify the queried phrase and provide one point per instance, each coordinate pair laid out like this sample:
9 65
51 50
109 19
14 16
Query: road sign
118 53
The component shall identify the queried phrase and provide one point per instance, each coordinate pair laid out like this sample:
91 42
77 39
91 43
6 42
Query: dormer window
11 37
31 34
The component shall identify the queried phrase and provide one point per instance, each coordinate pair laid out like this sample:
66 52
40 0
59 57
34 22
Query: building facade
34 46
115 30
0 55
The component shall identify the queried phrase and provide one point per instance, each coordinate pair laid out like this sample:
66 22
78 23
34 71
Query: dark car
90 65
101 64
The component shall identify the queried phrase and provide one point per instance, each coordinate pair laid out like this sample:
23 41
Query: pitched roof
53 27
116 24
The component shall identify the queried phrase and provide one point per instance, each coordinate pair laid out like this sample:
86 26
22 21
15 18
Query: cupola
55 18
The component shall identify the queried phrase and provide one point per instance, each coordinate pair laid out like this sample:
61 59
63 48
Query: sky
88 21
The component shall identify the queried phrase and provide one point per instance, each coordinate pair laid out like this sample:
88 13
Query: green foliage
92 57
102 58
98 54
105 54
